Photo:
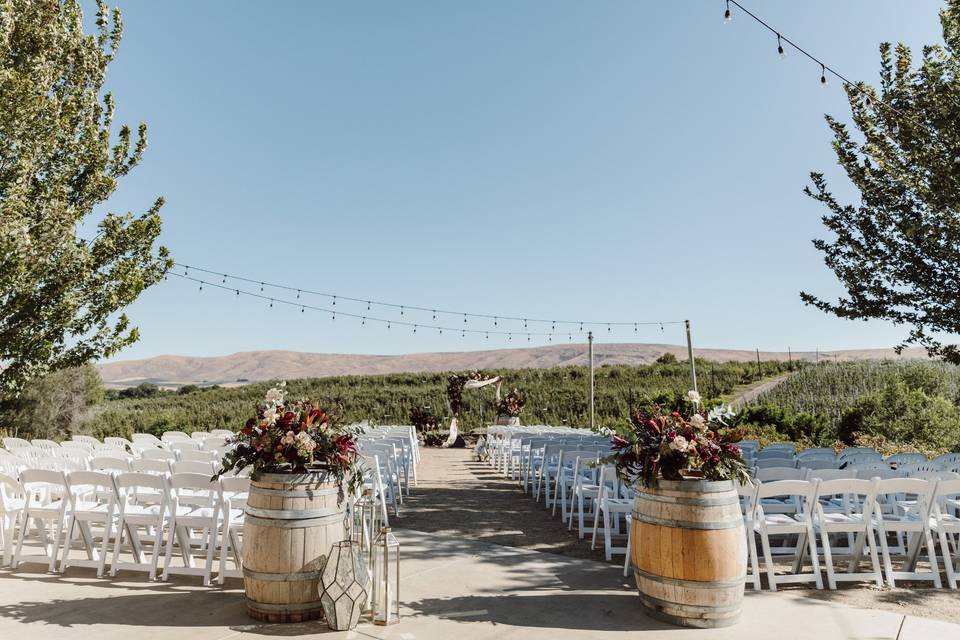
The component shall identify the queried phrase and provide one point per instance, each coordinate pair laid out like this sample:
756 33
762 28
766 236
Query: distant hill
251 366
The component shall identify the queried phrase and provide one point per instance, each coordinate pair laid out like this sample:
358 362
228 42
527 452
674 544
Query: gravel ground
456 496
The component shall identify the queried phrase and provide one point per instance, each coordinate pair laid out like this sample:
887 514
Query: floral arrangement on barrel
294 437
512 404
667 445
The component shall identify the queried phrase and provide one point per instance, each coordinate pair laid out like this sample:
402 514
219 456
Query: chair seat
779 520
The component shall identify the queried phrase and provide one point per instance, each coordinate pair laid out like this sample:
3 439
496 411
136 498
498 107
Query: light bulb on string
661 327
334 300
201 286
302 309
261 287
780 51
487 335
401 310
528 337
494 320
368 305
238 293
634 327
581 327
434 314
224 281
553 325
524 323
463 334
271 303
333 316
727 16
414 328
823 75
388 324
608 328
363 320
464 318
510 337
441 331
570 337
298 294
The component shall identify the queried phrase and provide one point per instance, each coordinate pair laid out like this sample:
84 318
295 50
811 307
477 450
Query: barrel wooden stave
689 552
291 523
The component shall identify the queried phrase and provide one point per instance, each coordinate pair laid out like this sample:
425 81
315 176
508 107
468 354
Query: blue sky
619 160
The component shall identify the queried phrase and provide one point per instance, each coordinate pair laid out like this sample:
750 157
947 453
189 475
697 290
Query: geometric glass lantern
386 579
344 584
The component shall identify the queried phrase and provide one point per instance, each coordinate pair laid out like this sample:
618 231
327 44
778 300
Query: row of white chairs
823 519
147 515
826 457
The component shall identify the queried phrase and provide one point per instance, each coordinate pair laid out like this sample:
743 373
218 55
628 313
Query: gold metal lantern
385 601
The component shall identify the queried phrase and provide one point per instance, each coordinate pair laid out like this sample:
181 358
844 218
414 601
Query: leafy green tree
897 252
57 405
61 293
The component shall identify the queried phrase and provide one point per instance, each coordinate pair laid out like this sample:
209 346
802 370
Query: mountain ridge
252 366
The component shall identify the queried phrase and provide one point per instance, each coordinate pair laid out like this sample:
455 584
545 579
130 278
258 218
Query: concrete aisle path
451 588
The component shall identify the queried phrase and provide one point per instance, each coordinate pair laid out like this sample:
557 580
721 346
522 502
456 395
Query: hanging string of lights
858 88
372 319
580 326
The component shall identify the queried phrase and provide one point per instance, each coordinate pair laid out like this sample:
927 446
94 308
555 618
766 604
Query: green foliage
897 252
912 404
55 406
60 293
903 414
667 358
555 396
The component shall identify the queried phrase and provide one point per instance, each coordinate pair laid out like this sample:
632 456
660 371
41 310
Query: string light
823 75
274 301
727 16
780 48
434 311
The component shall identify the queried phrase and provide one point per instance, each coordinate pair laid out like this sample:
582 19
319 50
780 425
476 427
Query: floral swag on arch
456 384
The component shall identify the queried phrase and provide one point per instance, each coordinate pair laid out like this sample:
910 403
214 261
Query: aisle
467 499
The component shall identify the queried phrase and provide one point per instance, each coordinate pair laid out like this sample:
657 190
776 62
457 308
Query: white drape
471 384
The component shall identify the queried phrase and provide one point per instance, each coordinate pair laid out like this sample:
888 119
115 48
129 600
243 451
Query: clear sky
617 160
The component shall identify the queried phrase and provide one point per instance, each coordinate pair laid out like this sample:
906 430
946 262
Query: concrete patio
452 588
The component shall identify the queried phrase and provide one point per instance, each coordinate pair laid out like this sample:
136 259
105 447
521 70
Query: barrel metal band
686 524
294 524
692 584
696 502
281 577
284 607
687 608
282 493
293 514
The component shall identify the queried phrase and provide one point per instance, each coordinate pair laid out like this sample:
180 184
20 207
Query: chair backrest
45 444
114 441
10 490
199 436
131 486
802 489
769 454
192 466
946 489
108 451
906 458
34 478
883 474
778 474
222 433
935 475
170 436
92 485
864 466
154 467
831 474
158 454
775 463
922 489
184 445
76 445
948 459
145 437
212 442
196 489
847 488
912 469
786 446
107 463
90 440
196 456
817 452
813 463
10 443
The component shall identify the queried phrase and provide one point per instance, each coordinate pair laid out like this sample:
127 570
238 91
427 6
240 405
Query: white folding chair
120 443
775 463
102 463
610 507
153 467
235 491
48 445
13 501
77 446
195 456
47 502
171 436
855 519
898 459
134 515
192 466
774 474
946 524
194 505
199 436
912 517
184 445
784 524
584 493
93 501
10 443
748 501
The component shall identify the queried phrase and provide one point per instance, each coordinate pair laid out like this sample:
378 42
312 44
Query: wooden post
693 366
759 369
590 351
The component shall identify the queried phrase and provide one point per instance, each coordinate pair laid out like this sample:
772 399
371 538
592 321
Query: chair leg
932 555
828 559
754 562
885 551
607 542
768 559
872 543
812 543
947 559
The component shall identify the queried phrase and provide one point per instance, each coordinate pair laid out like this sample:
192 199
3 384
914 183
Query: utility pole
590 351
693 366
759 369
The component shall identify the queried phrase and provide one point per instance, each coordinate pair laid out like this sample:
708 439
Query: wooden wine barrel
291 521
689 552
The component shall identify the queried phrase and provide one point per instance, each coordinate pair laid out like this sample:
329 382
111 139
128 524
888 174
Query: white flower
274 396
721 414
693 396
305 442
679 444
697 421
270 415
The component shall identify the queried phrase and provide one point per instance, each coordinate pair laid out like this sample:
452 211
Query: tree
61 293
897 253
54 406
